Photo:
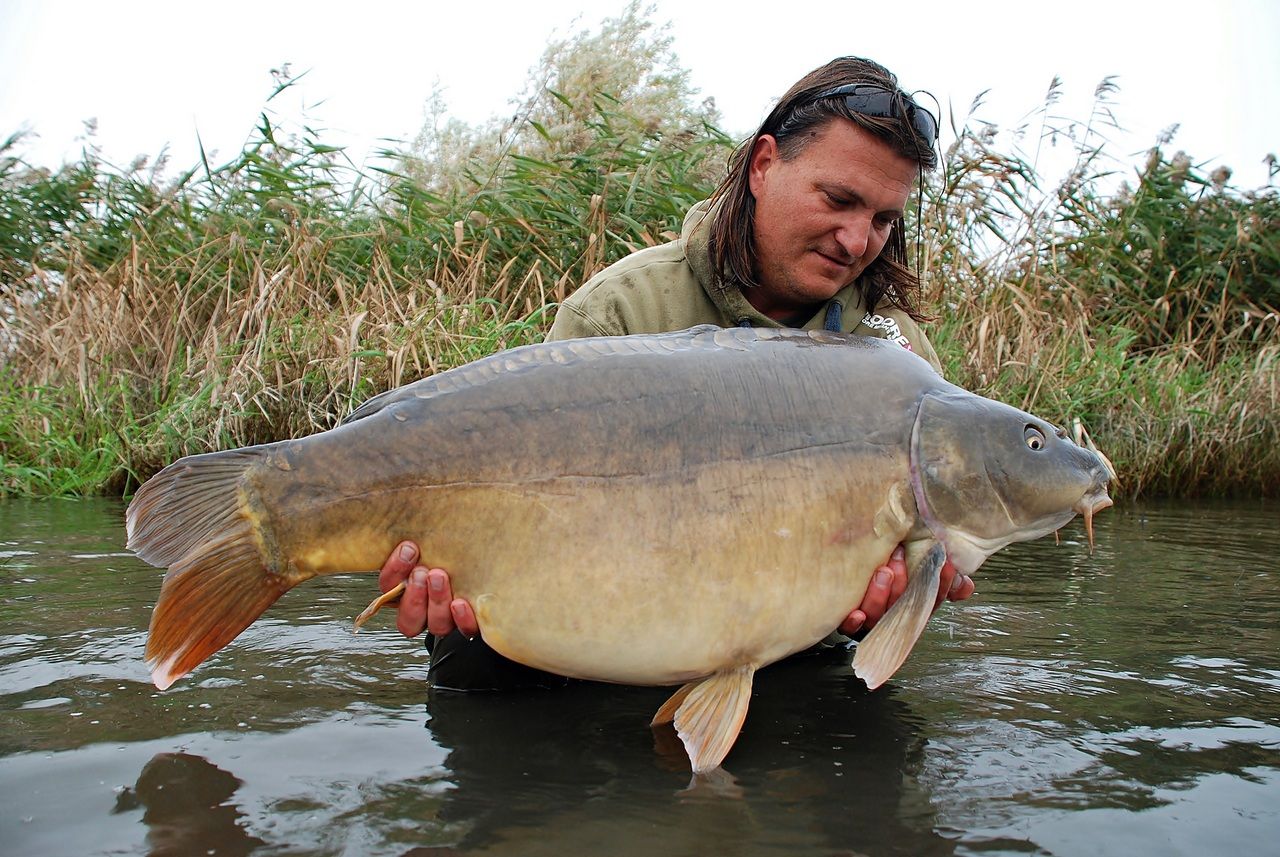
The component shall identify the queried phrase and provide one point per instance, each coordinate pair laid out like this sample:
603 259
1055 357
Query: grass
144 319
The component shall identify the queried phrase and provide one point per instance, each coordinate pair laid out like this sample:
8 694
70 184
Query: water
1126 703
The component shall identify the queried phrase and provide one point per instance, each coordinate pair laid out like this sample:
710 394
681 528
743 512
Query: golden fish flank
608 506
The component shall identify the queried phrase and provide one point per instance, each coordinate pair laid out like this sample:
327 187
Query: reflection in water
1124 703
186 809
580 762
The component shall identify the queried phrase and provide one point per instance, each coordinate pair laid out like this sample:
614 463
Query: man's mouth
836 261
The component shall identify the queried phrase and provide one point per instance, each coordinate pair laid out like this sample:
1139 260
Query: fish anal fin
207 598
667 712
884 649
708 715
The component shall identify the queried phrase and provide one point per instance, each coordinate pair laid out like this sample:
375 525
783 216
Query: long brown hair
732 244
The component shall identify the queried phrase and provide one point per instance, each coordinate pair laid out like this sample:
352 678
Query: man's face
824 216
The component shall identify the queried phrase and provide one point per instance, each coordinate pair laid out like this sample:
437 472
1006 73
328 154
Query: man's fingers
897 566
412 617
961 588
397 567
952 585
875 601
886 586
945 578
853 623
439 595
464 617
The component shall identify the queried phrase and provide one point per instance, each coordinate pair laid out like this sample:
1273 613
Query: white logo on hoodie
892 332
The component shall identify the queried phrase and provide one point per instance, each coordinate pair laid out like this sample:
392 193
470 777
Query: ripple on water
1123 703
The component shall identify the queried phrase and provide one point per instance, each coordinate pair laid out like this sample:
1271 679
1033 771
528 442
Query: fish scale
678 508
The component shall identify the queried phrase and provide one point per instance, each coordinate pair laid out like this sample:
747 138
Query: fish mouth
1089 505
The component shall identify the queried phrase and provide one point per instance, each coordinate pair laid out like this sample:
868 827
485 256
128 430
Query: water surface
1122 703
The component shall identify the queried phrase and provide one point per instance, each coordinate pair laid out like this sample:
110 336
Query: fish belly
659 579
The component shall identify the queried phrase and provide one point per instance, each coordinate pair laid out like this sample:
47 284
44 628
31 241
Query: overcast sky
158 73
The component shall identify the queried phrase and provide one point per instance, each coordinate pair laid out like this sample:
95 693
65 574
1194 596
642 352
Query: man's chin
823 288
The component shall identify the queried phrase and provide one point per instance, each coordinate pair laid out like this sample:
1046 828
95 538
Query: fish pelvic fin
708 715
667 712
883 650
195 517
392 594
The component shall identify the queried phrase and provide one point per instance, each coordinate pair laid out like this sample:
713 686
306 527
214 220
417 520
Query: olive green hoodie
671 287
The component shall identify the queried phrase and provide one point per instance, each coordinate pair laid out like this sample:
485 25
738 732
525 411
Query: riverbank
265 298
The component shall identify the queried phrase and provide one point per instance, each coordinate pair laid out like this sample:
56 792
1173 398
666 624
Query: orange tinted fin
378 603
708 715
883 650
196 517
667 712
205 602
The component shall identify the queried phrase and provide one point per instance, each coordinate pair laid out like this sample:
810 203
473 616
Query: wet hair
794 122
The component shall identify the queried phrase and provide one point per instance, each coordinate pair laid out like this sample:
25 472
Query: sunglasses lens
874 101
925 124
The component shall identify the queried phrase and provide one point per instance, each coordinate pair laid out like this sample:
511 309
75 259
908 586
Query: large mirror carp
667 509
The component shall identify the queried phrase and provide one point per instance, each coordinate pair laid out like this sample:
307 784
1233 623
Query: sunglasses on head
869 99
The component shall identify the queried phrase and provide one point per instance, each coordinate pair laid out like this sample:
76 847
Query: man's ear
764 154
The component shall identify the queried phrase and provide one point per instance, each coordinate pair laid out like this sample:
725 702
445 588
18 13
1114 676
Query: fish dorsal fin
887 646
708 715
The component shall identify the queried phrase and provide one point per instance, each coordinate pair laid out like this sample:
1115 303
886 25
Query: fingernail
458 615
899 553
883 577
407 553
436 582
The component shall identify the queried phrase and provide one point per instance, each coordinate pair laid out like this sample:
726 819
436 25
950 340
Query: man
805 231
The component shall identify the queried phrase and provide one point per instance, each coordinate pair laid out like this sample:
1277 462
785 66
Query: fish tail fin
880 654
708 715
195 518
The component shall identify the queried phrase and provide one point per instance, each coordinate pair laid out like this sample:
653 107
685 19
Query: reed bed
143 319
1144 316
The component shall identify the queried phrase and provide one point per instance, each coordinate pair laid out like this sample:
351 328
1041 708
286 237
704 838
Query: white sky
156 73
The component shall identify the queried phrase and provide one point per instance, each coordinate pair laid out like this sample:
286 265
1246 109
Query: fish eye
1034 438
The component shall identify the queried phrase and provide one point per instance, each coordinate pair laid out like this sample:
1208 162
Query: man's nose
852 235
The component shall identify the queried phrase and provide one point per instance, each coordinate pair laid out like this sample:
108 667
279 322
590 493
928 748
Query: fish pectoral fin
883 650
378 603
708 715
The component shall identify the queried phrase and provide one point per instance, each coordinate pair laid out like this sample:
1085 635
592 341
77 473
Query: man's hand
889 582
428 601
